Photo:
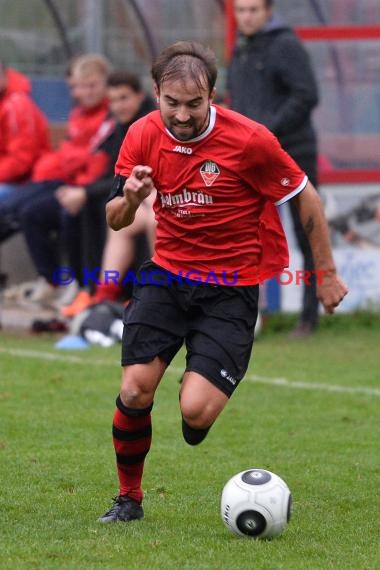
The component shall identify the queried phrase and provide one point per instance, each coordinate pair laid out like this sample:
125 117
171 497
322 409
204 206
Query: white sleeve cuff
293 193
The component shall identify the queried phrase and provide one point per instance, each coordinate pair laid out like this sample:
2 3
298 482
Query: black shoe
302 330
124 509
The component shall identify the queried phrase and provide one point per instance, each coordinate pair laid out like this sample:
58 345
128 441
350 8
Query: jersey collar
205 133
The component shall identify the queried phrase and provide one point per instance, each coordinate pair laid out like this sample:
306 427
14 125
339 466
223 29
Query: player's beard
190 130
183 133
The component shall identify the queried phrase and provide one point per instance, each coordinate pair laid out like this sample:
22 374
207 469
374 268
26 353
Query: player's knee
134 396
197 419
197 416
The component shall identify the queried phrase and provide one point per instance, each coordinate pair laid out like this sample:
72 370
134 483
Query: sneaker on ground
302 330
67 294
43 294
124 509
81 302
19 293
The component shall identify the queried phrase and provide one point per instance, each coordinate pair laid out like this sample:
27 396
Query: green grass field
308 410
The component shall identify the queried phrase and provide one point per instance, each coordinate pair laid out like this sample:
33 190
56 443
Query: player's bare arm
121 211
330 288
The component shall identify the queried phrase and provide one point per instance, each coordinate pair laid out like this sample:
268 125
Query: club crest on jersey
209 172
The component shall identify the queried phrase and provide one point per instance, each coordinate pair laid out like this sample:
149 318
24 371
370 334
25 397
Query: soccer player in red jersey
218 177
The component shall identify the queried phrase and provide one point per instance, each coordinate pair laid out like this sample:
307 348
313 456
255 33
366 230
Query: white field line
314 386
55 357
280 382
299 385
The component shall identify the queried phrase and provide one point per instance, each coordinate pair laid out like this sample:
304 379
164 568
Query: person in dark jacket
270 80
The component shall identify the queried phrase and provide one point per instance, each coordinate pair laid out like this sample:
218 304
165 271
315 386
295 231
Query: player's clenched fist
331 291
138 185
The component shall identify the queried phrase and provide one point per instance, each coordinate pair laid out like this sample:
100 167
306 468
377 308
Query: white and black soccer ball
256 504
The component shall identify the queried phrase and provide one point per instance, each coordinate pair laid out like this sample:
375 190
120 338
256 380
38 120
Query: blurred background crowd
74 75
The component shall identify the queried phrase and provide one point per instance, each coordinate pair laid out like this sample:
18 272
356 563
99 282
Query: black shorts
215 322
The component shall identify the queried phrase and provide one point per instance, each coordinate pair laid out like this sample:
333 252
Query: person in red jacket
78 161
70 162
24 135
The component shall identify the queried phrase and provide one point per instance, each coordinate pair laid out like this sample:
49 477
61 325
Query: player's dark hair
185 61
124 78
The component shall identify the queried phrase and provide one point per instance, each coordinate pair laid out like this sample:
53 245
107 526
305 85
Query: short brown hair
124 78
186 60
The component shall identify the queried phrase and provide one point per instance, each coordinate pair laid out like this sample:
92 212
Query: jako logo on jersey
183 149
184 197
209 172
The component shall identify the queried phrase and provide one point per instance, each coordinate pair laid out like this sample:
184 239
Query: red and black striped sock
132 436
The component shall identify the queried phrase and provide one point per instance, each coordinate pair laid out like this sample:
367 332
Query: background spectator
271 81
128 102
78 160
23 130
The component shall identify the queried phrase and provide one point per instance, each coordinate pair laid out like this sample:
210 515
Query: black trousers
310 303
50 231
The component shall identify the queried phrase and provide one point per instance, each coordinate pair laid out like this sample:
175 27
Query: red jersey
75 161
215 196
